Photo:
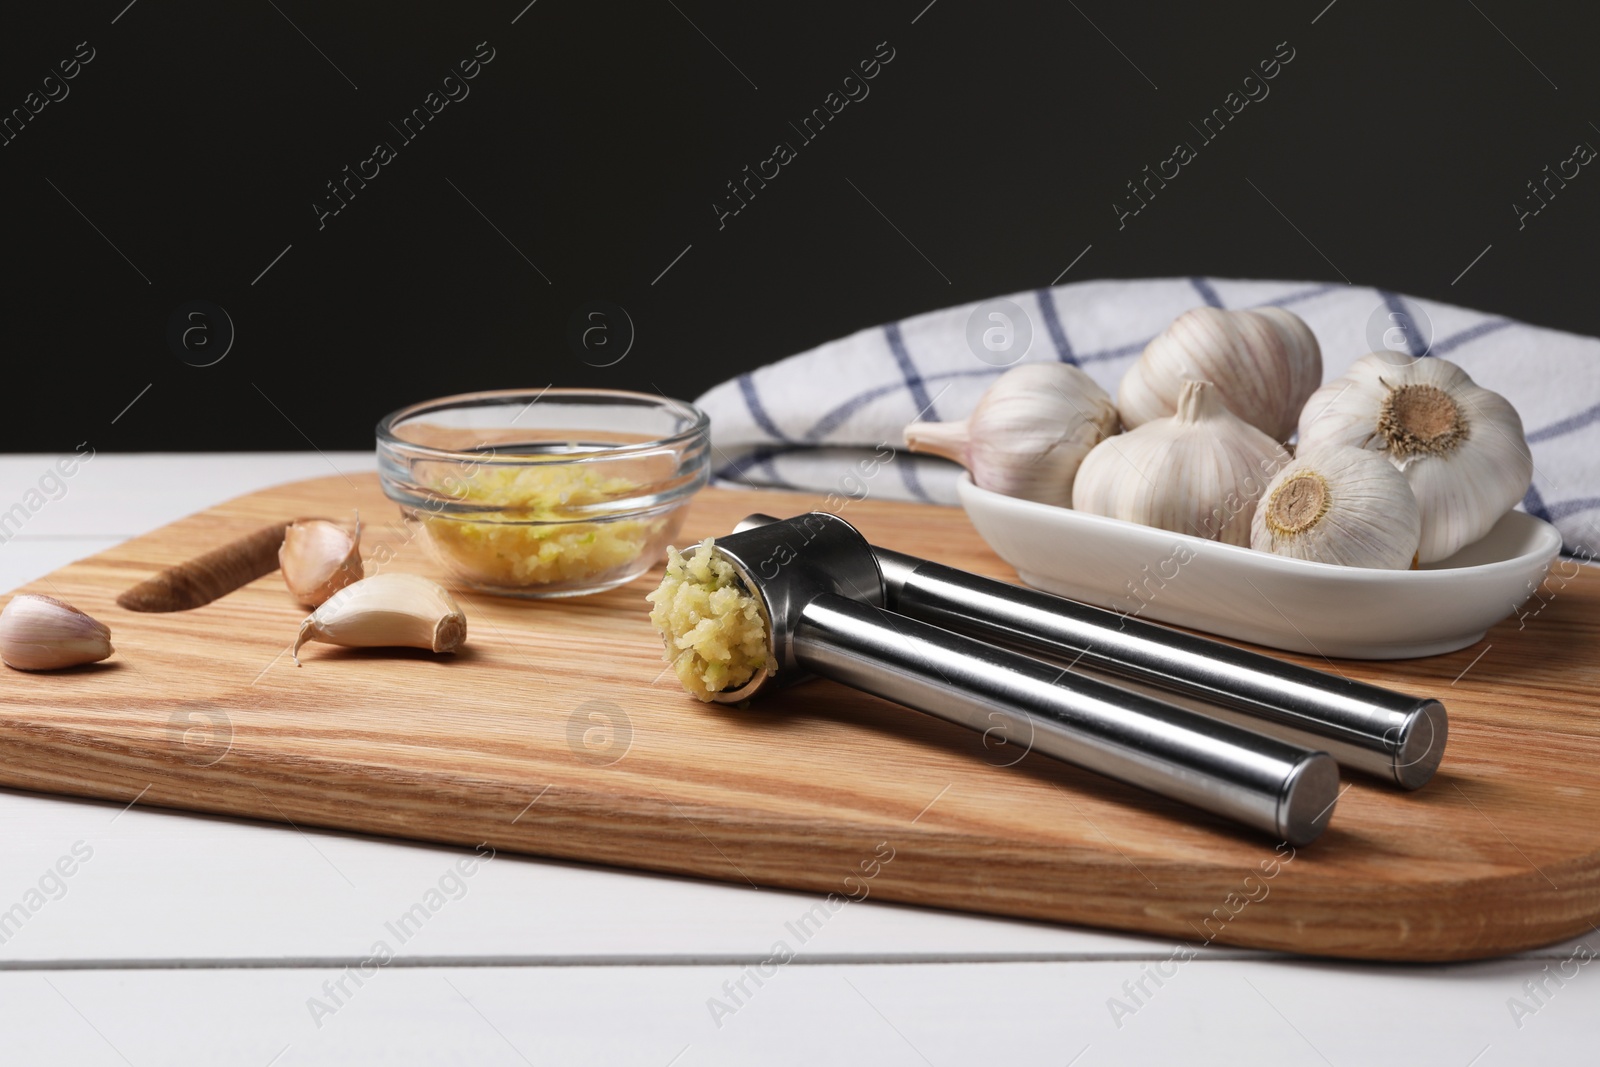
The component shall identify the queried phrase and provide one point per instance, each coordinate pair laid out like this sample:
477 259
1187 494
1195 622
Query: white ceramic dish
1316 608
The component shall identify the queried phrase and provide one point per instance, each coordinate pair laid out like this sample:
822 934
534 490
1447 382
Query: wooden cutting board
558 733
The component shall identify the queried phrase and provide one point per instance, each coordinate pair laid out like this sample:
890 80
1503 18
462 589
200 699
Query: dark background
597 140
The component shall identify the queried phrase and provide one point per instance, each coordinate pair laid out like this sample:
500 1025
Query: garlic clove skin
318 558
1199 472
1339 504
41 633
1028 433
387 611
1460 446
1264 362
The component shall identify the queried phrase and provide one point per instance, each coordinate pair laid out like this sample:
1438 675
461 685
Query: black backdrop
583 161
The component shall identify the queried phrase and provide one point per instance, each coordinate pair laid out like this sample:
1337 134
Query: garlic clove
1028 433
318 558
1264 362
1460 446
1199 472
1339 504
41 633
387 611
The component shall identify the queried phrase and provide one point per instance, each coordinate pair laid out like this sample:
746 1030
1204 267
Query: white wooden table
189 939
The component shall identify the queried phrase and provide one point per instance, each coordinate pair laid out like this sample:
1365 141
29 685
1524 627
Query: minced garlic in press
714 631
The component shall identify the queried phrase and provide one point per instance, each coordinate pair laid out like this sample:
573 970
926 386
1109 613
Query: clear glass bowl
545 493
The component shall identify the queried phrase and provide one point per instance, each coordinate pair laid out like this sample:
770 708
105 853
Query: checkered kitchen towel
806 422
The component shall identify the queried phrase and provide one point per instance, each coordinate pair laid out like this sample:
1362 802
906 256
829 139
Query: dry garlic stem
1028 434
1264 362
319 558
1459 446
387 611
1337 504
1199 472
41 633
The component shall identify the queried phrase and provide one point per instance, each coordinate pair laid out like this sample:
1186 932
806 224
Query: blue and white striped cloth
816 420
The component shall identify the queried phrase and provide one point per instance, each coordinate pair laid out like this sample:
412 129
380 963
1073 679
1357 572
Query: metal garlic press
831 613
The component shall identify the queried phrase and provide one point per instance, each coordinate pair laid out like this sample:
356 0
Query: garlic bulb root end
1299 503
1343 505
1460 446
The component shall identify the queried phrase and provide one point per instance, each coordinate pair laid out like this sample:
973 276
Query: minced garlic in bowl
543 493
532 540
714 630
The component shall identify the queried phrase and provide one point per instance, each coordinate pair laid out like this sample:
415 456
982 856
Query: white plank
1222 1013
163 886
124 495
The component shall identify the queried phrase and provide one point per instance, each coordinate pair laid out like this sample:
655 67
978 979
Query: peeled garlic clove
1264 362
1459 445
1338 504
318 558
41 633
387 611
1199 472
1028 433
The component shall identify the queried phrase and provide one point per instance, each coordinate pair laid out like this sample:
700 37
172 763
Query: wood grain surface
558 732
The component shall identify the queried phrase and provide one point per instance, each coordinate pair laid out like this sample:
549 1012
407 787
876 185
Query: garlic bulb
1028 432
1338 504
318 558
386 611
41 633
1459 445
1199 472
1264 363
